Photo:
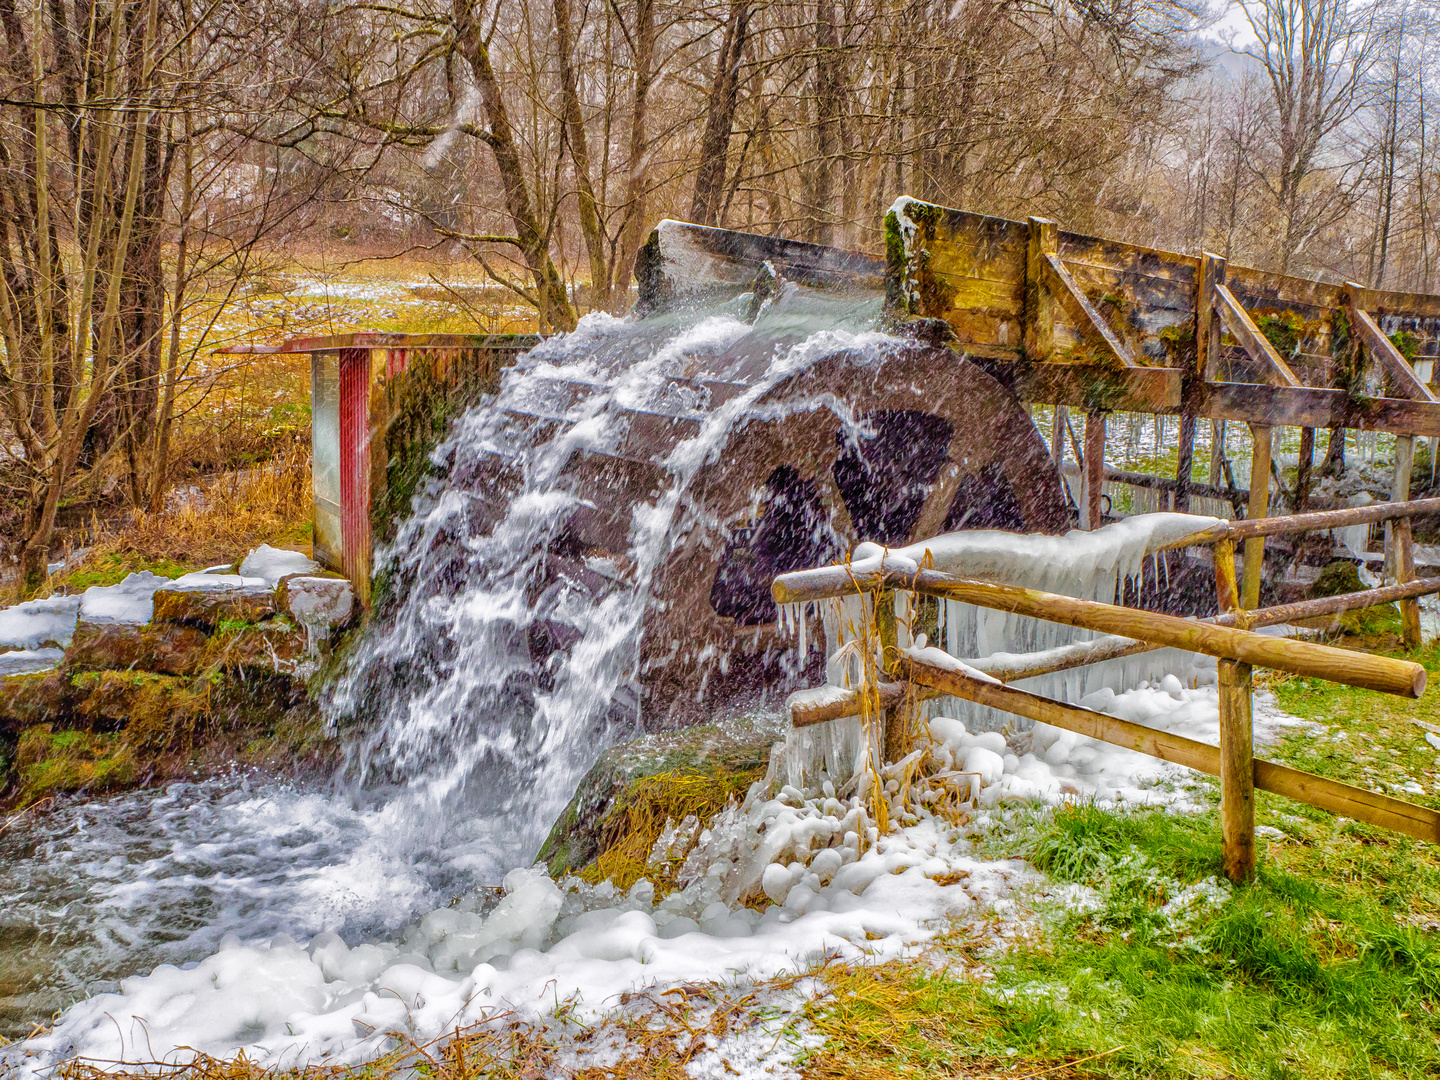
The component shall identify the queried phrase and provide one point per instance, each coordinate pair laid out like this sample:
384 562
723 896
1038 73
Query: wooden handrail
1368 806
1399 677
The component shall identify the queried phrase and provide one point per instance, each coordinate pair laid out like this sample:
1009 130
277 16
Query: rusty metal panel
354 411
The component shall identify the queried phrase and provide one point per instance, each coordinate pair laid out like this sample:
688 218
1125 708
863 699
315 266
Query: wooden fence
911 674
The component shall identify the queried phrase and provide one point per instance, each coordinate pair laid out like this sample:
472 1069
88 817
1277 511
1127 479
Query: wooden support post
1185 462
1039 302
1217 453
1227 592
1304 468
1237 772
1399 546
1094 466
1207 326
1259 508
897 734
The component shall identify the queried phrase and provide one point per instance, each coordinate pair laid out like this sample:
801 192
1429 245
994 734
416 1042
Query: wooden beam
840 703
1356 300
1087 319
1239 323
1311 406
1185 463
1399 545
1263 441
1400 677
1207 327
1088 386
1368 806
1237 772
1039 315
1094 466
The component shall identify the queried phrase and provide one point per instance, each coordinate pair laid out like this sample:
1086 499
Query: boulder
167 648
34 698
209 607
659 769
320 604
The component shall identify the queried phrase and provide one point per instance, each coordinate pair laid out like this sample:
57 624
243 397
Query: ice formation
830 883
1095 565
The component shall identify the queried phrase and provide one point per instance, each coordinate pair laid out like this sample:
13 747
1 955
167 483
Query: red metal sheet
355 465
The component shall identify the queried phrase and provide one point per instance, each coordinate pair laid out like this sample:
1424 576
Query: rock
270 646
150 707
49 761
34 698
730 756
320 604
210 607
164 647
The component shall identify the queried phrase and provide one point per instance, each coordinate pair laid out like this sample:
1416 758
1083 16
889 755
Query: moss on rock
624 801
49 761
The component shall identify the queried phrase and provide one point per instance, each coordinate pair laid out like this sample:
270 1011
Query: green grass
115 567
1165 972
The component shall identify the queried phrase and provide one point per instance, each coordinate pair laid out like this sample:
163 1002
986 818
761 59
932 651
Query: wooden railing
911 674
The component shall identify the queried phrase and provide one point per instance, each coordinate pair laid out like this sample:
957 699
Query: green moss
1341 576
115 567
1283 330
48 762
1407 344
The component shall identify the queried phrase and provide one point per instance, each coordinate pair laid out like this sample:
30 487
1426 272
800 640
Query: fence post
1399 548
1259 508
1237 748
897 734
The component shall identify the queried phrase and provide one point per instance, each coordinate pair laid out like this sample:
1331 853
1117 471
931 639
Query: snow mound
38 624
272 564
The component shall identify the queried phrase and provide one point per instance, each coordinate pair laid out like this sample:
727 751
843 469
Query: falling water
462 750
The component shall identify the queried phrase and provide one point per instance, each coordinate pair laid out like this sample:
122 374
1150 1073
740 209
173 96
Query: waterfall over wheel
636 485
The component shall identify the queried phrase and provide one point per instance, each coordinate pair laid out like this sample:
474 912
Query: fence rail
912 674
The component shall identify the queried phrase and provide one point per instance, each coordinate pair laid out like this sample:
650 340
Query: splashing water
463 748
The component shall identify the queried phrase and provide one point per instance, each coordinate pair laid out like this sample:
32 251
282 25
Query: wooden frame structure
1230 638
1082 322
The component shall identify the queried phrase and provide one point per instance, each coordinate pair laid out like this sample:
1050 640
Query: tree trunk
590 227
720 117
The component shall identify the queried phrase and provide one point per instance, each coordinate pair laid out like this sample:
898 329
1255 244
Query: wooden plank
1400 677
1330 519
1237 772
1185 463
1263 441
1039 300
1256 344
1308 406
1138 389
1367 806
1089 321
1227 591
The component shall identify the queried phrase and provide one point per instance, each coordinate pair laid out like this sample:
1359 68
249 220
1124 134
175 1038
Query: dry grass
652 1035
636 822
204 524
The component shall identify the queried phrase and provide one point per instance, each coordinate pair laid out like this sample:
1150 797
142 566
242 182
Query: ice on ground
838 889
286 1004
272 564
39 624
131 601
24 661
